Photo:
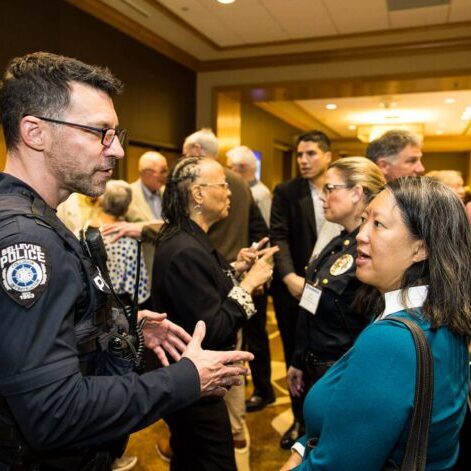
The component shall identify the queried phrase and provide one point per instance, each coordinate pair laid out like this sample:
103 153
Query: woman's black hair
176 197
434 214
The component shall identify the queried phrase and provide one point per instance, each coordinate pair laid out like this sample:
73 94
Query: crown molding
133 29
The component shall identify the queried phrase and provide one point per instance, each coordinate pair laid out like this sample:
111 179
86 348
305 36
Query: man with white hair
242 160
146 203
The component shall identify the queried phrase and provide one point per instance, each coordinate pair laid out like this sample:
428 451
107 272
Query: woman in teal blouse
414 250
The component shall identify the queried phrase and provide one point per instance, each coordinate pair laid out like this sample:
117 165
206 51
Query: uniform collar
11 184
415 298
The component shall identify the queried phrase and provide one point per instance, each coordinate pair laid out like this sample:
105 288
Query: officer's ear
357 193
33 132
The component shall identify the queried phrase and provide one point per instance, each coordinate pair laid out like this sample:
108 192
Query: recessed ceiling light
331 106
226 2
352 127
449 101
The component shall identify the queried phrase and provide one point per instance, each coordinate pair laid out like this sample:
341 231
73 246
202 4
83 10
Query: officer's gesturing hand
162 335
216 373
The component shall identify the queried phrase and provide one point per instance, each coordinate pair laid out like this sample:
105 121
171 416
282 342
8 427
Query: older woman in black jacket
191 282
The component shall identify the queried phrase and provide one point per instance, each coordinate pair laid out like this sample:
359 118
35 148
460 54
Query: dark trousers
201 437
256 340
314 368
286 311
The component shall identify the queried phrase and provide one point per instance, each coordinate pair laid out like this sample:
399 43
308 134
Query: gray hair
242 155
206 139
149 159
116 198
391 143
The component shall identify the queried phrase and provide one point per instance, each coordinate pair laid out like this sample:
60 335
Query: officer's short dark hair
315 136
390 144
39 84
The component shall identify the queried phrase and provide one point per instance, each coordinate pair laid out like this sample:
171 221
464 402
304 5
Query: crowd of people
345 249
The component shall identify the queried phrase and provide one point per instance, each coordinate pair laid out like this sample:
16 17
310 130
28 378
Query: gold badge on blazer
341 265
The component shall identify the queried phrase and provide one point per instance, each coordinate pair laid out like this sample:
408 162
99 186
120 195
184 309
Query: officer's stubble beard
68 171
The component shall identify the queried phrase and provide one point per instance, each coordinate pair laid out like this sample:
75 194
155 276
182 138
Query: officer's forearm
87 411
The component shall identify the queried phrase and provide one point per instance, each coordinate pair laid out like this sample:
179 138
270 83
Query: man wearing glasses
67 398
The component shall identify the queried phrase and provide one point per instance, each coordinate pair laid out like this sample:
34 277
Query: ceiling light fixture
449 101
352 127
226 2
331 106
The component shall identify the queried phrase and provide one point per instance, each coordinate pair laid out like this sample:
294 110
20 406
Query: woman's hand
248 256
294 461
260 273
294 377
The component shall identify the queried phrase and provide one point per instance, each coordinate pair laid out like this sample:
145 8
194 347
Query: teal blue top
361 408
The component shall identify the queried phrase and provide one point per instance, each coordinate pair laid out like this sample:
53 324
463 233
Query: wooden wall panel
158 103
269 135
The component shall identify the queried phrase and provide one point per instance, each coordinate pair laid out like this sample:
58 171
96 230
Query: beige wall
447 161
269 135
384 68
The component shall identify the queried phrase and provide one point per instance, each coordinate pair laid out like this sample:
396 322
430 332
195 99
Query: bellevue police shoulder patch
25 272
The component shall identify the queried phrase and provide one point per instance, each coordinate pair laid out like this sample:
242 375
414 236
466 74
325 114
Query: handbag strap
415 456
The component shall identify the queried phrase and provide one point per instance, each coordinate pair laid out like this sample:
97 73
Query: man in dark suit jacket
296 218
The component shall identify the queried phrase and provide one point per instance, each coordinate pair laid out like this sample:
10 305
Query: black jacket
190 283
292 226
331 331
45 394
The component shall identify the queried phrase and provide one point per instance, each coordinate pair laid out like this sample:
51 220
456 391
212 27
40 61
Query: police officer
68 397
328 324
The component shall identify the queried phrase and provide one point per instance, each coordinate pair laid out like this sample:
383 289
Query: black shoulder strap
415 456
37 209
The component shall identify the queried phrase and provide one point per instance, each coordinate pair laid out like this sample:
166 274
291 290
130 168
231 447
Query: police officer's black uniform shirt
41 286
331 331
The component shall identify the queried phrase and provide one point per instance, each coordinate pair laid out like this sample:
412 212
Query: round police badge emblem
24 275
342 265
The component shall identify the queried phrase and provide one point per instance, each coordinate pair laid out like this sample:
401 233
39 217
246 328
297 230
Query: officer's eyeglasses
107 134
328 188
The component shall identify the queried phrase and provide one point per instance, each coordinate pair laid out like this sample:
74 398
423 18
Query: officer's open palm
217 374
162 335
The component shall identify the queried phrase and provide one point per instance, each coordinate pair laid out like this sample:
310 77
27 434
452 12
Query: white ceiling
435 111
209 30
438 113
259 21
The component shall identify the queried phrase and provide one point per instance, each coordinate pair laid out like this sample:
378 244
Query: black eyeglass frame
120 132
328 188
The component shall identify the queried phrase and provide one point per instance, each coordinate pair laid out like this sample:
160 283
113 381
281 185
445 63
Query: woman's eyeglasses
220 184
328 188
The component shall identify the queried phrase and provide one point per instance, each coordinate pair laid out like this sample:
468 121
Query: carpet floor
265 426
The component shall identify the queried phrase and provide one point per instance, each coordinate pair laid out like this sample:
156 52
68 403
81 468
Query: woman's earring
198 208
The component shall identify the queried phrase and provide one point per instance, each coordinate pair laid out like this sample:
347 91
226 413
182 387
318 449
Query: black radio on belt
127 339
